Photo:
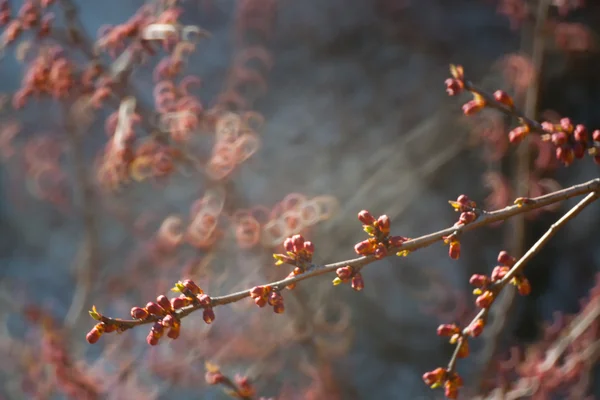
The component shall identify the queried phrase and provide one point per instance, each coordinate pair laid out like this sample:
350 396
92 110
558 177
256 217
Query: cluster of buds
350 274
456 337
380 241
467 209
30 17
239 387
51 73
453 243
263 295
299 253
443 377
456 84
100 328
571 141
484 288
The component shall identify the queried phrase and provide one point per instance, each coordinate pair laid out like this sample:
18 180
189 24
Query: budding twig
520 264
522 205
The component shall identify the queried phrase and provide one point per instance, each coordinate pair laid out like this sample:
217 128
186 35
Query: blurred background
355 117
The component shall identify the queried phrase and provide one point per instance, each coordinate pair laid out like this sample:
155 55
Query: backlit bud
139 313
358 283
518 134
363 248
463 350
485 300
506 259
366 218
454 250
479 281
208 315
155 309
437 376
344 273
472 107
498 272
192 287
309 247
164 302
447 330
476 328
298 243
502 97
383 223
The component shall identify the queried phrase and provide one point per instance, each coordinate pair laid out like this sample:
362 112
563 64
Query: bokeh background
355 109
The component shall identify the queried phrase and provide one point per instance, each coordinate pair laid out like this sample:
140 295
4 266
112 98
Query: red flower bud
506 259
383 223
524 287
298 243
164 302
566 125
155 309
151 339
205 300
502 97
364 248
438 375
453 86
596 135
559 138
518 134
473 107
467 217
447 330
260 301
288 244
358 283
454 250
476 328
174 332
192 287
278 308
396 241
479 281
366 218
463 350
168 321
180 302
380 251
208 315
581 134
309 247
485 300
344 273
214 378
93 336
498 272
139 313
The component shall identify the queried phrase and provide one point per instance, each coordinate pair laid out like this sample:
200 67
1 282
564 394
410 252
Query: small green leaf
94 314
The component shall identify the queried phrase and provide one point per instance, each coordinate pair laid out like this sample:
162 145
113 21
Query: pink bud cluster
263 295
451 381
380 241
163 312
299 253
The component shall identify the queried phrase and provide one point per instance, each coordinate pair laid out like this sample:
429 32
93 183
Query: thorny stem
410 245
520 264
